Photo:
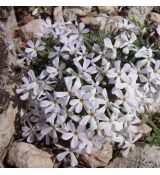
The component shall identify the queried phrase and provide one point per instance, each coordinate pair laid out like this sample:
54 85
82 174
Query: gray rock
110 10
112 23
105 23
97 21
144 128
7 128
139 13
24 155
155 17
142 157
28 31
9 29
71 13
58 14
7 58
100 158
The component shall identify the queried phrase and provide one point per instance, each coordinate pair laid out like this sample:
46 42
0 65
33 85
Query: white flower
101 53
51 131
155 73
31 132
79 103
127 100
138 72
57 53
70 88
93 115
111 124
147 54
25 58
144 99
126 41
73 134
102 70
119 75
78 33
61 28
33 86
27 86
90 141
129 144
150 58
56 70
34 48
107 104
143 52
112 51
126 26
67 151
46 29
72 48
130 122
68 113
87 96
83 54
86 70
52 104
115 137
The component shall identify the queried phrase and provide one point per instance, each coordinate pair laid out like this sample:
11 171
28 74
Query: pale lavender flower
93 115
34 48
74 134
90 141
67 151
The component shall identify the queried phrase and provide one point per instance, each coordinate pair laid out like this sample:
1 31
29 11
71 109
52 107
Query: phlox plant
84 97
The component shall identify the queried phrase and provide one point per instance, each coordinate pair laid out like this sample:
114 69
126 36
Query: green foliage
39 63
153 138
95 37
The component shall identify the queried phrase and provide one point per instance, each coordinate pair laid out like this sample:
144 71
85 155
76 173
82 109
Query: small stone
100 158
155 17
108 24
139 13
111 24
100 21
109 10
24 155
7 128
143 156
27 31
145 129
71 13
58 14
11 25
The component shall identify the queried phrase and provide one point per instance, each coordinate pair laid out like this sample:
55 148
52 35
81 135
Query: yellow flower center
81 100
91 114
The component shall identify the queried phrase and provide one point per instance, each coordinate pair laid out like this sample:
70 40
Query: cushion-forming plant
85 97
